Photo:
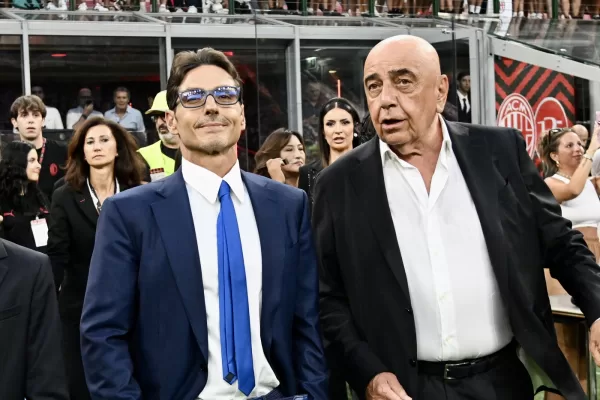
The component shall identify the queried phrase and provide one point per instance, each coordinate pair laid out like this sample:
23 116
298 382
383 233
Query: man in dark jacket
31 364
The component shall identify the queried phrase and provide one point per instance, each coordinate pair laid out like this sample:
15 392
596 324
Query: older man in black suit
432 240
31 365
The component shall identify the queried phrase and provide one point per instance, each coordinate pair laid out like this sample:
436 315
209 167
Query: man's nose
388 96
211 106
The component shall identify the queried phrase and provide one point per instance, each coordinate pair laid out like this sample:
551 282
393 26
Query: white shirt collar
384 149
462 96
207 183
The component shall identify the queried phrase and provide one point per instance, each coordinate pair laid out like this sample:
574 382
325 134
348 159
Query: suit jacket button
408 310
412 362
203 367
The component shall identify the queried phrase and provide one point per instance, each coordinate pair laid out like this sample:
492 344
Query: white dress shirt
203 187
53 119
456 302
74 114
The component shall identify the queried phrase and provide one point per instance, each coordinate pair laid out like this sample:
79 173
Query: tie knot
224 190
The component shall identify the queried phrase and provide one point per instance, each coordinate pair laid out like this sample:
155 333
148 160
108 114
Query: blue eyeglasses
223 95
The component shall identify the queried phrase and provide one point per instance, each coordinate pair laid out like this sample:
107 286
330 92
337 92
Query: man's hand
595 341
385 386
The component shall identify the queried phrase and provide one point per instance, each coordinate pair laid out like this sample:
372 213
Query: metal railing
372 8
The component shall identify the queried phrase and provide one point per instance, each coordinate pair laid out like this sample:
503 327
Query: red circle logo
53 169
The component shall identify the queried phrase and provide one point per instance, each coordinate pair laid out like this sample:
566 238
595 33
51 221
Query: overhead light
332 71
228 53
59 55
310 59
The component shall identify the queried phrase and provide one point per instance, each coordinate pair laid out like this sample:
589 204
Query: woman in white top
568 165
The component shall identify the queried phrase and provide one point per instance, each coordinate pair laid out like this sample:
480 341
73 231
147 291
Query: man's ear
14 122
171 122
243 125
442 96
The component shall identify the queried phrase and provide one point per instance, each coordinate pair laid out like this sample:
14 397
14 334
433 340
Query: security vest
157 160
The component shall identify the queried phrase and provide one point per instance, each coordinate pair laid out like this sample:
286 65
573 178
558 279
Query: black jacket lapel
367 180
86 204
3 261
477 164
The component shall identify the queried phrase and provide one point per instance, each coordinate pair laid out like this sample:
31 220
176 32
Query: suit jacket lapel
3 261
269 220
477 163
86 204
176 225
369 186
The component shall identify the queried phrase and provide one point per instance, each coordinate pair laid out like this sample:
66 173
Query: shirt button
412 362
408 310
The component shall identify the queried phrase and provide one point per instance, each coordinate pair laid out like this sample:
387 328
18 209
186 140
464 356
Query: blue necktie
236 349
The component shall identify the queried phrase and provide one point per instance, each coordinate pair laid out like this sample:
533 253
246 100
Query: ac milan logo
53 169
515 112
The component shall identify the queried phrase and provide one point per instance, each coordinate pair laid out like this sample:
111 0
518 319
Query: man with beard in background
160 156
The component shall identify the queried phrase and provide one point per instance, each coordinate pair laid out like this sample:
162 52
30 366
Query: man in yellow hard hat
160 156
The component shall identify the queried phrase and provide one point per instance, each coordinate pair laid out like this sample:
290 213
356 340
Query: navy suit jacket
143 327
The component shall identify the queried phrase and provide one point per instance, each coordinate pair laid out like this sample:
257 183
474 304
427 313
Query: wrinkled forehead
390 58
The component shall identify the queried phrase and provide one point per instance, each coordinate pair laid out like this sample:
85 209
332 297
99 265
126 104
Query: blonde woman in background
568 165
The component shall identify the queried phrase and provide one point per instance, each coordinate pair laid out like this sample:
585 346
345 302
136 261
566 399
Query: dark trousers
74 366
507 380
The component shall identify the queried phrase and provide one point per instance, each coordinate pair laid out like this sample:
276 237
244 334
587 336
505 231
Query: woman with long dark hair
281 156
103 161
23 206
339 125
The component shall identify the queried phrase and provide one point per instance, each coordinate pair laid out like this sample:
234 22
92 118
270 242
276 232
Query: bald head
405 88
407 45
582 132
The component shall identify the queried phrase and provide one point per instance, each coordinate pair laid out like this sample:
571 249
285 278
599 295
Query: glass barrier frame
257 27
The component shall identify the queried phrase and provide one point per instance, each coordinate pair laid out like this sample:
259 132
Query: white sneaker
62 5
179 10
192 10
82 7
51 6
143 7
163 9
100 7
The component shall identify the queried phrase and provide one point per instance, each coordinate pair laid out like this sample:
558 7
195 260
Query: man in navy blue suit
204 285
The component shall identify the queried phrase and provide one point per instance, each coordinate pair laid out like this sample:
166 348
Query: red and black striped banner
533 99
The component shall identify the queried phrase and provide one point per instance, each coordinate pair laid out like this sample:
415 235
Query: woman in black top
103 161
23 206
338 134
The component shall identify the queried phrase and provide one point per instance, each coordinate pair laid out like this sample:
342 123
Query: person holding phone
281 156
568 166
76 116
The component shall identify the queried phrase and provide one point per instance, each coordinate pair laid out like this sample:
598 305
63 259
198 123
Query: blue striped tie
236 349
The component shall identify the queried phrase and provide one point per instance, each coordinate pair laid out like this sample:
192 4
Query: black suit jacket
31 363
71 237
366 310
